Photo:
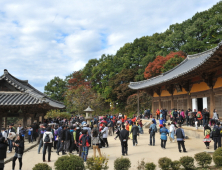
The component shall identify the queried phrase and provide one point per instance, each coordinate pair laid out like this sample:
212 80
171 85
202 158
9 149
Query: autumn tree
157 66
77 80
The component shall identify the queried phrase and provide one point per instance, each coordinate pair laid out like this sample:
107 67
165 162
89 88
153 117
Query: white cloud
42 39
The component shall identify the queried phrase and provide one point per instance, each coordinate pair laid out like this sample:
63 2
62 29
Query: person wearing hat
47 140
9 132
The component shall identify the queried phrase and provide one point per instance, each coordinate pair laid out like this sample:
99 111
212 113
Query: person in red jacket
199 117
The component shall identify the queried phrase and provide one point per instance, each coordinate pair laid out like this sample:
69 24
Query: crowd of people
76 136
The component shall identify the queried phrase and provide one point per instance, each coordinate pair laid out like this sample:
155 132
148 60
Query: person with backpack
84 142
96 142
199 118
180 138
30 134
19 149
110 126
207 131
152 132
216 136
47 140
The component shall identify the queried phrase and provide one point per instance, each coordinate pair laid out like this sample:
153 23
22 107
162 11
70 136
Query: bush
217 157
41 166
203 159
69 162
97 163
141 165
175 165
164 163
150 166
122 164
187 162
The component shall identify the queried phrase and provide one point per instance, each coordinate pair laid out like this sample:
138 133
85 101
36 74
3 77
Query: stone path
136 153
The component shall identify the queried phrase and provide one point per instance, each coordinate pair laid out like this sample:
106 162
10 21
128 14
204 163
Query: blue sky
43 39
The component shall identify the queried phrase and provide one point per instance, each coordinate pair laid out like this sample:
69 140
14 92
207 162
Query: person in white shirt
4 133
47 140
105 134
172 132
18 129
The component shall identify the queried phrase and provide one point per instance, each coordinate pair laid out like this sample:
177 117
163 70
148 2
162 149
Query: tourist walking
215 117
19 149
216 136
207 140
157 114
163 136
11 134
62 139
110 126
41 132
3 150
47 140
124 136
84 142
180 138
172 132
135 132
118 129
105 134
152 131
30 134
96 142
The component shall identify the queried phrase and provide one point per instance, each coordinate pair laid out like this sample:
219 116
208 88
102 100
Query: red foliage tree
77 80
154 68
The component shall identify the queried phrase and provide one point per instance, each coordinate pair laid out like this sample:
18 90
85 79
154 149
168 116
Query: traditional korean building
19 99
195 83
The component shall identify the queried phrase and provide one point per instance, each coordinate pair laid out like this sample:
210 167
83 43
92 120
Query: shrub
69 162
41 166
150 166
97 163
164 163
175 165
122 164
217 157
141 165
187 162
203 159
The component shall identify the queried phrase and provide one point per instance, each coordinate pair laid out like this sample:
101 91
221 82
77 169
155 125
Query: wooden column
24 120
212 102
160 103
1 122
172 103
32 119
5 122
138 103
152 110
189 101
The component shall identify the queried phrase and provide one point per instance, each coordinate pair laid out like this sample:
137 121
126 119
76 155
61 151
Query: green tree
171 63
55 89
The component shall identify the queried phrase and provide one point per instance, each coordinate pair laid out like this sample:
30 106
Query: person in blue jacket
163 136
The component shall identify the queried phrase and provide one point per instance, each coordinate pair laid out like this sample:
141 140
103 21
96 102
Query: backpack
216 132
84 140
47 139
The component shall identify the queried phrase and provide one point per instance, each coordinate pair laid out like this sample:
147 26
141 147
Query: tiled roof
191 63
26 94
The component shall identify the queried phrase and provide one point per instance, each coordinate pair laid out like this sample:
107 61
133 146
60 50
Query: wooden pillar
212 102
152 109
172 103
1 122
32 119
5 122
24 120
189 101
160 103
138 103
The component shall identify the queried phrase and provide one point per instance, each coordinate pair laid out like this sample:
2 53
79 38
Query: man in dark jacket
175 115
3 149
41 132
180 138
187 117
216 136
62 139
124 136
135 131
67 139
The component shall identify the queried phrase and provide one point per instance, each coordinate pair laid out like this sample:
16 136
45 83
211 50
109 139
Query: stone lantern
88 114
